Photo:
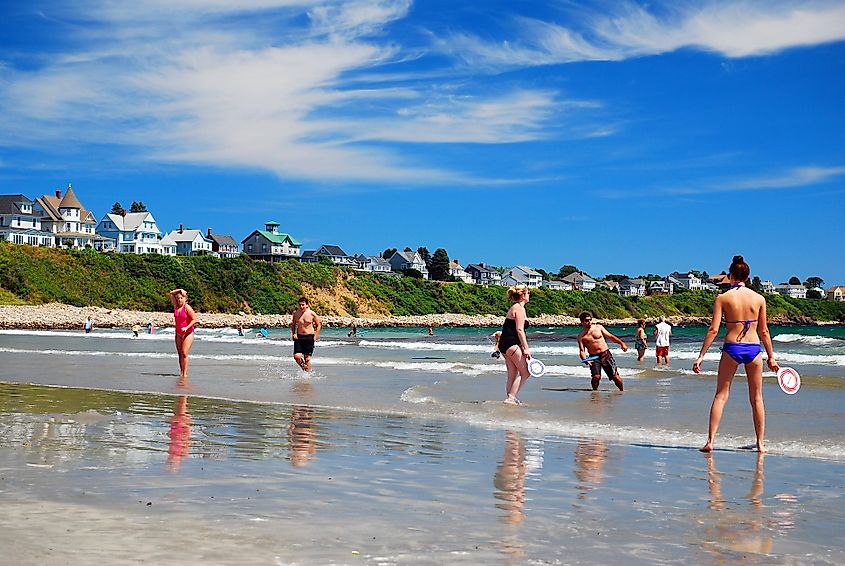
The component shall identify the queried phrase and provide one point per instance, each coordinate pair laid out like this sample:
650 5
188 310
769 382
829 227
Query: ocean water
451 375
398 450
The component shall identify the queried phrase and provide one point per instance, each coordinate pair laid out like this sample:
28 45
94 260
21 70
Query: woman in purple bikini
745 318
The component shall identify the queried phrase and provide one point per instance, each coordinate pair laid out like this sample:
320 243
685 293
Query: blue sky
620 137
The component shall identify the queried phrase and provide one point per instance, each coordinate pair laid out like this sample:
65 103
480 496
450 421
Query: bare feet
618 381
707 447
761 449
511 400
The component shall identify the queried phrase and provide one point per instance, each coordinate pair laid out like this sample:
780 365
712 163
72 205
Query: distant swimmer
641 341
88 325
592 342
663 331
305 331
513 343
151 328
185 320
497 336
135 330
430 331
352 331
240 329
745 317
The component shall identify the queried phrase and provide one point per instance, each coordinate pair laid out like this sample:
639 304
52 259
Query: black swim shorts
304 345
605 362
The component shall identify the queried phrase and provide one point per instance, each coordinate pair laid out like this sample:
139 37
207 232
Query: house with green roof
271 245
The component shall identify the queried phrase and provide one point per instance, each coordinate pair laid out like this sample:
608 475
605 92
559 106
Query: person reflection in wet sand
180 434
590 456
509 480
302 436
737 528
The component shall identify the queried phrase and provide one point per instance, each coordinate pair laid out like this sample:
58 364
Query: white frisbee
789 380
536 368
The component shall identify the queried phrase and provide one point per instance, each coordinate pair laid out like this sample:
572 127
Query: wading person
305 331
745 318
184 320
641 341
513 344
662 332
592 341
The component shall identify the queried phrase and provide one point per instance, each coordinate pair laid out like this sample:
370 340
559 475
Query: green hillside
30 275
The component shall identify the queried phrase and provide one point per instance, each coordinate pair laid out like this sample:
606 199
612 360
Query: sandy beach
59 316
397 449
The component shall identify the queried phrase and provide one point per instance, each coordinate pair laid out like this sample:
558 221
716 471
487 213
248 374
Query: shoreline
67 317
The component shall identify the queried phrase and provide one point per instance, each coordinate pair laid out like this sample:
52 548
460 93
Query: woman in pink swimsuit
185 319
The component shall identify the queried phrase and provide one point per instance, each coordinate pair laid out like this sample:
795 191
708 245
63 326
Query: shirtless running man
305 330
592 342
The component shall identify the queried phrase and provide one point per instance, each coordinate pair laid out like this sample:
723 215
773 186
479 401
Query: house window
249 247
263 247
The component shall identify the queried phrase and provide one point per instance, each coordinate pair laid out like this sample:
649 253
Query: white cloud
797 177
182 81
623 30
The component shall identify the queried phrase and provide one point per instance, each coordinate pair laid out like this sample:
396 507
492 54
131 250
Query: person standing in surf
662 332
514 345
305 330
641 341
592 341
184 319
745 317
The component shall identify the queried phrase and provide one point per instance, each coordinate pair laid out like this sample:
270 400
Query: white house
691 281
483 275
271 245
72 225
522 275
608 284
168 246
372 264
400 261
632 288
767 287
132 232
555 284
458 272
794 291
20 224
836 293
579 281
191 242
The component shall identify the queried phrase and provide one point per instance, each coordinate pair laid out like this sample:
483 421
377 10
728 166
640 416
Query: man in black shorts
305 330
592 342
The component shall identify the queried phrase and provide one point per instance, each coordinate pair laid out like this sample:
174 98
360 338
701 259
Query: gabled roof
525 269
833 289
223 240
186 235
632 282
577 276
307 254
129 222
481 268
51 205
378 260
275 237
166 240
688 275
332 250
9 203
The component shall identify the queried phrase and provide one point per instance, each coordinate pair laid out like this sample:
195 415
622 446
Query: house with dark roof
71 223
522 275
223 245
334 253
20 223
483 275
372 264
632 288
271 245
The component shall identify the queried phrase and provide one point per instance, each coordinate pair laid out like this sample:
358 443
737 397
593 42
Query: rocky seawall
59 316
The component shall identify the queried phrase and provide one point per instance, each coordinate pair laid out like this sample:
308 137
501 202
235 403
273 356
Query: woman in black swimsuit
513 343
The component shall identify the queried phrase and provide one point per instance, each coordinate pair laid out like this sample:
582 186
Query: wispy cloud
623 30
263 84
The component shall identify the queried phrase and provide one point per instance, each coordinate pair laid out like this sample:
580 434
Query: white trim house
522 275
20 223
132 232
401 261
191 242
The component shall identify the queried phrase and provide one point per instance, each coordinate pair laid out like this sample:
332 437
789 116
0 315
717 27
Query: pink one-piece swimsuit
180 315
